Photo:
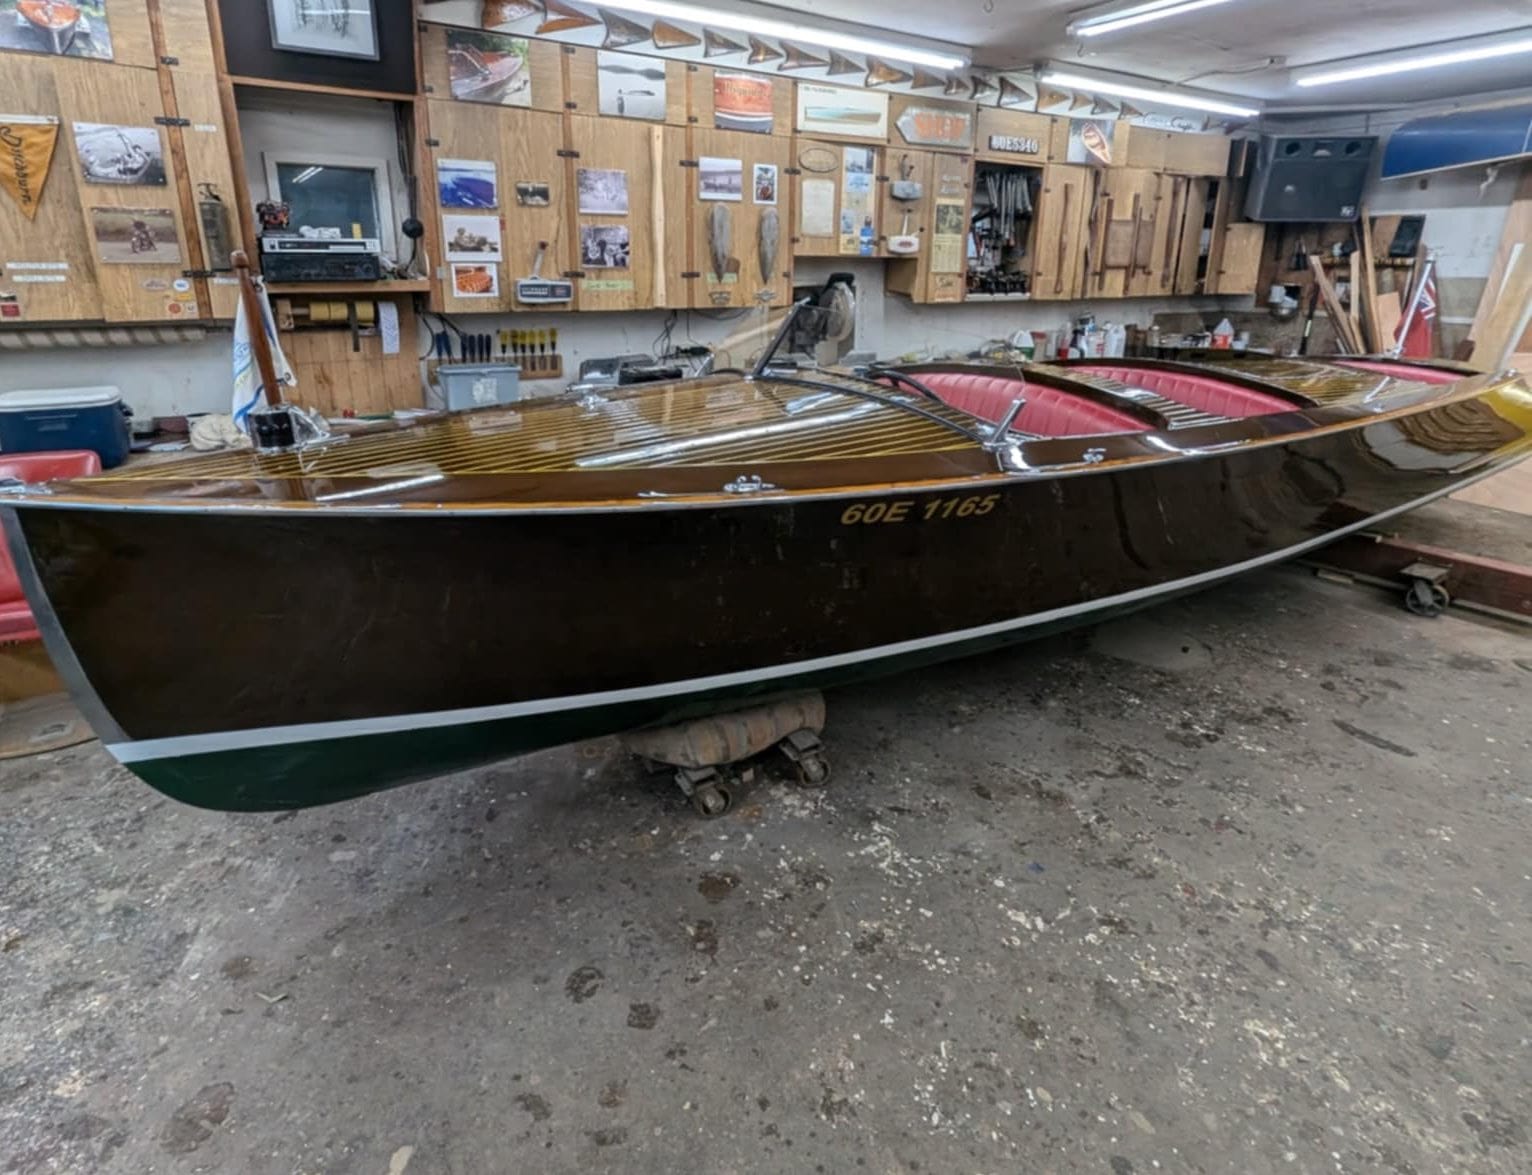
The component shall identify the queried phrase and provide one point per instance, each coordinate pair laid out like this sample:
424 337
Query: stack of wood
1367 319
1501 335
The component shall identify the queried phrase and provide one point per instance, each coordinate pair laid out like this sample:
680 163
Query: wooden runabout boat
259 631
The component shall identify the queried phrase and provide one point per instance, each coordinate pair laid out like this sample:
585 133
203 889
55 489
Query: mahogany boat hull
313 656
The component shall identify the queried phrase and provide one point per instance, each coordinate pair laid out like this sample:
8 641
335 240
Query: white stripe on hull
196 744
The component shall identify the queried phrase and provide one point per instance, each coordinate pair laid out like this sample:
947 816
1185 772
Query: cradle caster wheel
1426 599
813 771
711 801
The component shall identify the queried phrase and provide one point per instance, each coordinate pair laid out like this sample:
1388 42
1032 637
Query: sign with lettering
1015 145
930 126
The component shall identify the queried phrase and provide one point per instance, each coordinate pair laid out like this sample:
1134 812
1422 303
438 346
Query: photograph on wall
764 183
743 102
467 183
832 110
111 154
604 246
331 28
720 179
489 67
630 86
603 191
136 236
476 281
76 28
532 195
471 238
1090 141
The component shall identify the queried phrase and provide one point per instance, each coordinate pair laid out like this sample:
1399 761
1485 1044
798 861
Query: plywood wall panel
615 145
188 37
205 144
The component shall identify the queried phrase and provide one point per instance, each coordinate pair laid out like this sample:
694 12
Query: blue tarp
1459 140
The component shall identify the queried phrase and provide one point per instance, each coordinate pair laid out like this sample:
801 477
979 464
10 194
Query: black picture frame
372 23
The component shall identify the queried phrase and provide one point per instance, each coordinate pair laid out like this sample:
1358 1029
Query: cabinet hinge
169 60
199 273
566 153
688 162
433 142
573 273
169 120
571 105
792 171
691 273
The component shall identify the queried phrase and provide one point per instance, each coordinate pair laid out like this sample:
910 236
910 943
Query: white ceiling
1225 48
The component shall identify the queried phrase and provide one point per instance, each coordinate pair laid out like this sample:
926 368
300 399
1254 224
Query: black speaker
1302 178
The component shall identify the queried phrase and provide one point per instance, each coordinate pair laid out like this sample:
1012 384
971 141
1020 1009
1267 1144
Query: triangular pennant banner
800 58
667 36
620 31
880 73
1050 98
840 65
26 154
955 85
925 81
760 51
716 44
982 88
562 18
1013 95
1130 111
1102 106
503 12
1080 102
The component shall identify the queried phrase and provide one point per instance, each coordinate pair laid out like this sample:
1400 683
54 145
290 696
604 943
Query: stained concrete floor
1237 885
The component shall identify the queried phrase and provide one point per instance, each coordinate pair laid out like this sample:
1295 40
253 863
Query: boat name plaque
1015 144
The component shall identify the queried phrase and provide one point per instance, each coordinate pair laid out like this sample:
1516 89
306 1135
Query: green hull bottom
325 771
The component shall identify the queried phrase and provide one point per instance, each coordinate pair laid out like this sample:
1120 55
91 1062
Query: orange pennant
26 153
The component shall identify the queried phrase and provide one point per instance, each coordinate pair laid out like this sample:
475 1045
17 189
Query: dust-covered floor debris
1237 885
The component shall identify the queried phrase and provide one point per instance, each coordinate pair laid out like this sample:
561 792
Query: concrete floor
1237 885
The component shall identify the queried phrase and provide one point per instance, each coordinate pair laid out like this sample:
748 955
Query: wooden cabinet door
1059 236
618 252
1196 154
748 276
822 184
523 145
137 285
1240 259
951 207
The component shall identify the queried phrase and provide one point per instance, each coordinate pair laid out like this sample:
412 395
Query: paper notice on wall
817 214
388 326
947 240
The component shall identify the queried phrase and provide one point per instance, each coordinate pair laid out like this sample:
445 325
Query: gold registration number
936 510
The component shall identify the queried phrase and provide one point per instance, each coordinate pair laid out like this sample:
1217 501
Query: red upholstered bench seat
1409 371
16 623
1206 393
1048 412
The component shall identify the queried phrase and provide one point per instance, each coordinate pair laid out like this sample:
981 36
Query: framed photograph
127 155
764 183
629 85
842 113
720 179
476 281
744 102
467 183
136 236
471 238
76 28
489 67
530 194
1090 141
604 246
332 28
602 191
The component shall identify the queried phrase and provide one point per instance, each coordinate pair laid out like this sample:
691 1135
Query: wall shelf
410 286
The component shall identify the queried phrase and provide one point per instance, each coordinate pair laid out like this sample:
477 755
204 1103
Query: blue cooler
66 418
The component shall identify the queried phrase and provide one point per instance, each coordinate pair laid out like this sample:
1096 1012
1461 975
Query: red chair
16 623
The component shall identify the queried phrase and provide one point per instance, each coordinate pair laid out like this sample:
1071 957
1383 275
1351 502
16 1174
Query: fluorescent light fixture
761 27
1077 81
1412 60
1137 14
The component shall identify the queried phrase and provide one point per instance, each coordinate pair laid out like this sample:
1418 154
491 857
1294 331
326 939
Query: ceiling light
713 18
1409 61
1127 18
1076 81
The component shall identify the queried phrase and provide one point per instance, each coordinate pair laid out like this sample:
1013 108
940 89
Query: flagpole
1414 307
259 343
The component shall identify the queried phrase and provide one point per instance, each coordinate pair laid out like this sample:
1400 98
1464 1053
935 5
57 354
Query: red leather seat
16 623
1048 412
1204 392
1409 371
